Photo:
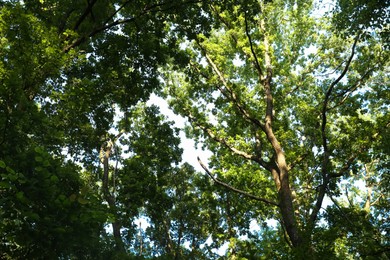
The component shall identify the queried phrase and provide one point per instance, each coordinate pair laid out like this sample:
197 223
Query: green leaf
10 170
5 185
82 200
38 149
72 197
20 195
54 179
2 164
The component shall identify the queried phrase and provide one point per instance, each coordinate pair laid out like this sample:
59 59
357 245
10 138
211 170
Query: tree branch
256 62
146 10
328 94
87 11
105 153
325 175
230 94
285 234
340 209
297 161
348 91
267 79
210 133
336 81
81 39
218 181
116 11
344 168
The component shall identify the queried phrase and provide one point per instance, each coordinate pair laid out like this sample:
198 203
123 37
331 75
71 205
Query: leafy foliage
292 103
281 101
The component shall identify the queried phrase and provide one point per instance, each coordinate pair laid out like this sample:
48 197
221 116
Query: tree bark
280 169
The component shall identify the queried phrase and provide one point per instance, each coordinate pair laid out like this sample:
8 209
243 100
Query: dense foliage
292 102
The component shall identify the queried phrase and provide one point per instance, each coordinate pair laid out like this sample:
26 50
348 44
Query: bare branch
218 181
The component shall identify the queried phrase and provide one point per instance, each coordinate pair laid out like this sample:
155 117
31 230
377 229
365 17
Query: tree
351 17
44 205
285 105
290 108
66 67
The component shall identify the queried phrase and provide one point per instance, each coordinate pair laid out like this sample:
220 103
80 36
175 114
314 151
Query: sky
190 152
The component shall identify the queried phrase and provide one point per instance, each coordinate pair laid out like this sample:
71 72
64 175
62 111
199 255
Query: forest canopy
290 97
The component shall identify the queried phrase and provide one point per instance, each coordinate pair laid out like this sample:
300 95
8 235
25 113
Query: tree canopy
291 99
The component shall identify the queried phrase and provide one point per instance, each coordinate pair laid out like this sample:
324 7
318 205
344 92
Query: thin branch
325 175
80 40
115 173
218 181
336 81
116 12
230 94
347 196
346 166
377 199
285 234
119 135
146 10
222 141
340 209
87 11
235 40
297 161
257 64
349 91
327 74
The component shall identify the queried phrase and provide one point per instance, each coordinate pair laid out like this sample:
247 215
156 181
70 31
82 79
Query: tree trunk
105 152
279 169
